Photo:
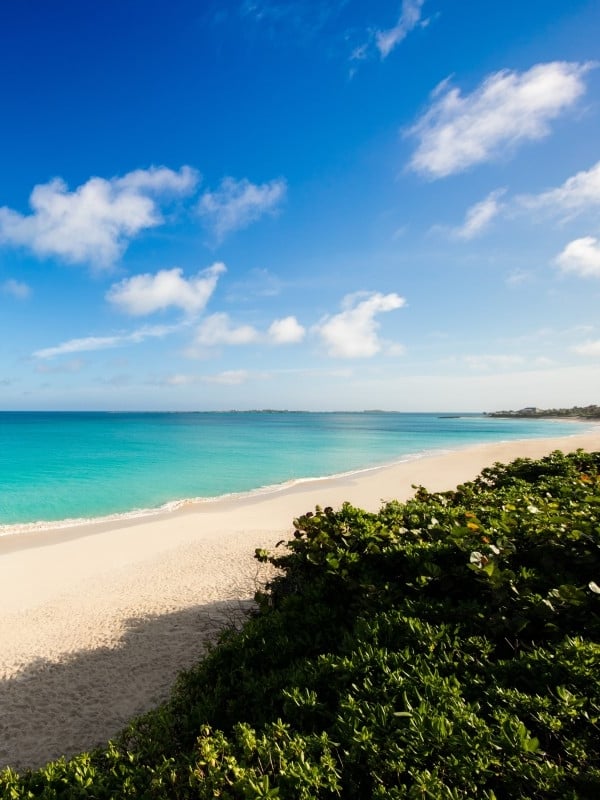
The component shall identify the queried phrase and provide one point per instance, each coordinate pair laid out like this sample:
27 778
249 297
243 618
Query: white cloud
94 223
145 294
387 40
160 180
286 331
589 348
582 257
578 193
236 204
91 343
16 289
353 333
217 329
479 216
508 108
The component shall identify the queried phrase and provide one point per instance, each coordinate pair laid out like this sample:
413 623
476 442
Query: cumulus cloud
578 193
458 131
237 204
480 215
91 343
353 333
590 348
94 223
286 331
17 289
145 294
581 257
387 40
218 329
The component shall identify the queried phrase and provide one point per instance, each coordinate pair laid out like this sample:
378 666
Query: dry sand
97 621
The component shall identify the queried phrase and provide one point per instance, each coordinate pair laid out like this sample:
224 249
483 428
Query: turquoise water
58 466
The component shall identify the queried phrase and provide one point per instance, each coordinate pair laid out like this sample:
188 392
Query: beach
97 620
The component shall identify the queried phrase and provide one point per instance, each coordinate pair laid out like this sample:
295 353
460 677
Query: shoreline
174 506
79 525
97 620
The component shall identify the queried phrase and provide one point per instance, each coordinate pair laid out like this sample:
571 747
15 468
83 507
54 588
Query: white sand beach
96 621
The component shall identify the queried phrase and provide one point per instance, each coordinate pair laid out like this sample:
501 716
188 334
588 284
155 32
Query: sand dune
97 621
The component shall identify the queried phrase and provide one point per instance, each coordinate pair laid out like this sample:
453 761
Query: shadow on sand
50 709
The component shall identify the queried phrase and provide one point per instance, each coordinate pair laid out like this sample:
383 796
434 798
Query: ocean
76 466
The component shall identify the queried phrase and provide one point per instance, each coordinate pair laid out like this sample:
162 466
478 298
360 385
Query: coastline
81 525
97 488
98 619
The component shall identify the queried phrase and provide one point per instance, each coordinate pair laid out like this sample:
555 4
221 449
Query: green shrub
447 647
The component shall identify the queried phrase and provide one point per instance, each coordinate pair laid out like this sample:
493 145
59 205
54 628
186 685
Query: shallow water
81 465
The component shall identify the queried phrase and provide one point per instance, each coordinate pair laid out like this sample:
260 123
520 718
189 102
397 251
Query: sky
331 205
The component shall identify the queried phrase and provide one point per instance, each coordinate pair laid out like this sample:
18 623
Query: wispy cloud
230 377
508 108
381 41
90 343
94 223
282 18
518 277
579 193
589 348
480 215
145 294
237 204
17 289
581 257
353 333
387 40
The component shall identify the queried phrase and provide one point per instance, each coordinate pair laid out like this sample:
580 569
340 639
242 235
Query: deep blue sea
80 465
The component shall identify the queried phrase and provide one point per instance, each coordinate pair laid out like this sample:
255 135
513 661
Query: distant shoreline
575 413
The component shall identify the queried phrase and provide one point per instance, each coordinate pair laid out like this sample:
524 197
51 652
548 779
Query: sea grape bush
447 647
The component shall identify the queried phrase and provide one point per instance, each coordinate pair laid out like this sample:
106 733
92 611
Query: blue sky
285 204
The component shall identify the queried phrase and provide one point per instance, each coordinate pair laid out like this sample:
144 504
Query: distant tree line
587 412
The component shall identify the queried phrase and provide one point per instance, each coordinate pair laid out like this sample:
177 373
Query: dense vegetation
577 412
448 647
